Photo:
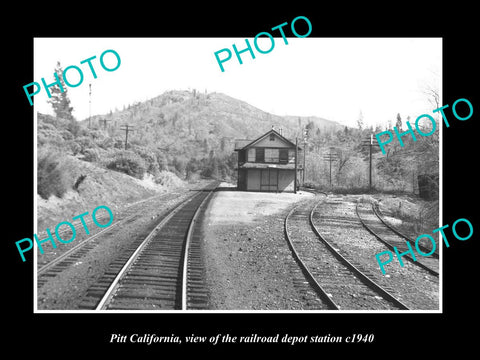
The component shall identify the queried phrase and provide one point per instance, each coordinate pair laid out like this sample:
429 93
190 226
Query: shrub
179 164
106 143
91 155
51 178
85 143
74 147
118 143
48 134
127 162
162 161
149 158
66 135
168 179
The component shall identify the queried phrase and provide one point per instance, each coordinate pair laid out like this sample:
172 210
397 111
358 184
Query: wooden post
127 128
370 171
304 154
330 168
90 106
296 156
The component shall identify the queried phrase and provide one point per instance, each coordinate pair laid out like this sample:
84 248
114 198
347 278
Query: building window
241 156
291 155
283 156
260 155
251 155
272 137
271 155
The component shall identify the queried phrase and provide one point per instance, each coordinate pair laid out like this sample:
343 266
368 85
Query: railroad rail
133 206
162 272
378 213
378 228
335 279
52 268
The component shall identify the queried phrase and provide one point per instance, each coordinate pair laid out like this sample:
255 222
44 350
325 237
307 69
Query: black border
63 334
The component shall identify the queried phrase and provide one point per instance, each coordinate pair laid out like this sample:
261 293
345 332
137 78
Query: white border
304 312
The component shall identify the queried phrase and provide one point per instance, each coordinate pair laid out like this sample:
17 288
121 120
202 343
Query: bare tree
360 121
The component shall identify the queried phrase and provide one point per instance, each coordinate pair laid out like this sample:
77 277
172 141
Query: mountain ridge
207 114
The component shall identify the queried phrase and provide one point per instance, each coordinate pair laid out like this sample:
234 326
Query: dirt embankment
98 187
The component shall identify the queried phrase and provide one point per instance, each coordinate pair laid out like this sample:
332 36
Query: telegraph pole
370 168
127 128
90 106
330 158
304 154
296 160
370 143
104 123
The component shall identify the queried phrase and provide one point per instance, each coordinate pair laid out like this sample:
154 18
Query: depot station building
269 163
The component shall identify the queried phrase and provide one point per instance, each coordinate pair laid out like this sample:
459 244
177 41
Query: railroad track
336 280
371 220
49 269
130 209
379 215
163 271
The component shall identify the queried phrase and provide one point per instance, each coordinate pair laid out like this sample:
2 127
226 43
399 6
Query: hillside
192 134
184 122
99 186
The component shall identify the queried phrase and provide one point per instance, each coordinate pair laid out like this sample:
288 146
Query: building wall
253 179
286 179
271 149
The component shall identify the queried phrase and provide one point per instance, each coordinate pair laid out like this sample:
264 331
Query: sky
333 78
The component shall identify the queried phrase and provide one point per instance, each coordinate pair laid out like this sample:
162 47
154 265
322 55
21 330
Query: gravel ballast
250 267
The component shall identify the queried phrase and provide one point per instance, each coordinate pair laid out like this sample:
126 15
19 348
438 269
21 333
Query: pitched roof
242 144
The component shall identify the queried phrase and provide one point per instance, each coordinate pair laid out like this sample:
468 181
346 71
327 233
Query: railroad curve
333 277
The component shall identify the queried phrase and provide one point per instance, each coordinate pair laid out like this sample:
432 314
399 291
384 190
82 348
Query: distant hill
191 123
321 123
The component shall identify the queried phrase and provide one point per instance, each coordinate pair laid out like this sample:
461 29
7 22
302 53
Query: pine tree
398 124
59 100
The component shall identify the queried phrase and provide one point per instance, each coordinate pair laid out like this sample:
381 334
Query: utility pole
370 143
296 156
90 106
104 123
330 157
127 128
305 133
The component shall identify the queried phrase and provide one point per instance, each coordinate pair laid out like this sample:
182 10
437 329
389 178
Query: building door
269 180
242 179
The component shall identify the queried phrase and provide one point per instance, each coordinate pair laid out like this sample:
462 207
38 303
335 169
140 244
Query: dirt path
249 265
